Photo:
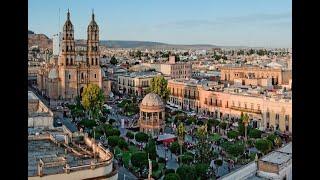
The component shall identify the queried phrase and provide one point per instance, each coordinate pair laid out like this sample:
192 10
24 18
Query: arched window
81 75
96 61
69 76
71 61
67 48
67 61
95 75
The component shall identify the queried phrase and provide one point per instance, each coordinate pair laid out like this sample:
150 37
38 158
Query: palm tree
181 133
245 122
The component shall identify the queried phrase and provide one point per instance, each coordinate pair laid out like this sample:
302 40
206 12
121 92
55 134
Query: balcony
257 111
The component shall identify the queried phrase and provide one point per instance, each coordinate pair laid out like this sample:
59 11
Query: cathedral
64 77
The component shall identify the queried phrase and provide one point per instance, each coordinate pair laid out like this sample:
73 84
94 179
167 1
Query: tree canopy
159 85
139 159
113 61
93 100
263 145
172 176
141 137
186 172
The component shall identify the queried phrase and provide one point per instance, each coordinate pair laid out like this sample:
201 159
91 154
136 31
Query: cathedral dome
53 74
153 100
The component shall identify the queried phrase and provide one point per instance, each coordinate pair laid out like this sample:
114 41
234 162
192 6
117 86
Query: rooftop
142 74
49 152
276 157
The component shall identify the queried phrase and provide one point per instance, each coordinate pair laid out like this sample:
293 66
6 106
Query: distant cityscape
100 109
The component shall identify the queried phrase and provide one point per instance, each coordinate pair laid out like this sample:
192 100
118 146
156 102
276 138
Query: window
69 76
91 61
245 105
277 121
67 61
268 119
95 75
96 61
71 61
287 122
81 75
205 101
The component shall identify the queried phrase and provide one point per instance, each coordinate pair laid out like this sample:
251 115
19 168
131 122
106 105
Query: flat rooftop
277 158
49 152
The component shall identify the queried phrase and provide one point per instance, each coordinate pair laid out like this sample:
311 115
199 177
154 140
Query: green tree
113 61
181 134
174 147
263 145
113 141
122 144
223 125
151 149
201 170
177 58
186 158
88 123
139 160
186 172
159 85
233 134
203 152
235 149
255 133
213 123
141 137
112 132
93 100
130 135
172 176
271 137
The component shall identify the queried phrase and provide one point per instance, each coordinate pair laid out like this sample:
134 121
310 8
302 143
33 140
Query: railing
257 111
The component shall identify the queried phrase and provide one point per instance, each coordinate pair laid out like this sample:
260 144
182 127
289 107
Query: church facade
65 77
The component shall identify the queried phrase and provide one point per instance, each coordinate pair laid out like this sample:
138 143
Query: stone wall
268 167
81 174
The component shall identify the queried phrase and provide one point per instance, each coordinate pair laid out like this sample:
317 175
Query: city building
275 165
176 70
278 76
39 115
272 112
52 155
136 83
65 78
152 115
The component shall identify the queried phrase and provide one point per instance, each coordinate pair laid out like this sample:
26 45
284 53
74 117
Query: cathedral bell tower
67 54
93 43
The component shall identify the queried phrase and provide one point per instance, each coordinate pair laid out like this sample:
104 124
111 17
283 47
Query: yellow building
264 112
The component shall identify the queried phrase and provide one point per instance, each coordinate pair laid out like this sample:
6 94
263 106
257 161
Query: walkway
172 158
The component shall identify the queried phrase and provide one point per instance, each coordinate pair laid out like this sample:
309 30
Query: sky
254 23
